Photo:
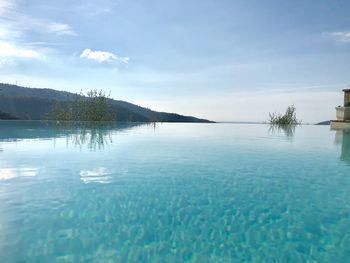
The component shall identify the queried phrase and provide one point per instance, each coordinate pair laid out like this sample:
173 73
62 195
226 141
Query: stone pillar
346 97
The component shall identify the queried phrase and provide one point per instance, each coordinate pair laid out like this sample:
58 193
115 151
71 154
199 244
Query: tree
289 118
92 107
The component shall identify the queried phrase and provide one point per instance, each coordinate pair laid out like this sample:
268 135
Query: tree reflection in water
93 135
288 130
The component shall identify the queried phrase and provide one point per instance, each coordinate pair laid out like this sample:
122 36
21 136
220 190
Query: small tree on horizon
289 118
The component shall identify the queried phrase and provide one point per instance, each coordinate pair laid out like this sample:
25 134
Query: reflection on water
91 134
288 130
342 137
9 173
98 175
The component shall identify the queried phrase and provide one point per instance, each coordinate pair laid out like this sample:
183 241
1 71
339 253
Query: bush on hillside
92 107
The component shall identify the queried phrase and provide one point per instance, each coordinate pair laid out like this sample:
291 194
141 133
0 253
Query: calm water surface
173 193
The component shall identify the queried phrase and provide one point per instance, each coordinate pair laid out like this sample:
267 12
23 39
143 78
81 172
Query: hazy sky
224 60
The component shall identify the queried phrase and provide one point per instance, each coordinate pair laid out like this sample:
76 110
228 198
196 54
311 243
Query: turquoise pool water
173 193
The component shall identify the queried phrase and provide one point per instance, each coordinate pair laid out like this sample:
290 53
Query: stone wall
347 99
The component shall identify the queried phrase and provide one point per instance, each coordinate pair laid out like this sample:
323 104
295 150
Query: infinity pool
173 193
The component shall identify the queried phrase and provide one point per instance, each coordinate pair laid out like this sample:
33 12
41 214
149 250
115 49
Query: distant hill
6 116
36 104
324 123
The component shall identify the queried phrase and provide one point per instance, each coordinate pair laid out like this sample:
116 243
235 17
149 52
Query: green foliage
92 107
289 118
37 104
347 104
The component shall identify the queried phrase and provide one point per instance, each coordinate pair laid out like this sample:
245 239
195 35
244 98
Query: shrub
92 107
289 118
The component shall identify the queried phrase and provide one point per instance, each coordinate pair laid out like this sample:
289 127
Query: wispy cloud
61 29
94 9
103 56
17 30
22 24
341 36
5 5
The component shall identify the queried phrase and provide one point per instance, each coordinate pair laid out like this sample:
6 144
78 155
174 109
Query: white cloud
9 50
61 29
341 36
17 30
102 56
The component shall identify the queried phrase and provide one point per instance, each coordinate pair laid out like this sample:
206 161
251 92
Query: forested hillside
36 104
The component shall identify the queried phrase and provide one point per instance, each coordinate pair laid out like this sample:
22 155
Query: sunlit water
173 193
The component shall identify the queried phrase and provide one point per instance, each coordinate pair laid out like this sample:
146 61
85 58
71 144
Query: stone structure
346 97
343 113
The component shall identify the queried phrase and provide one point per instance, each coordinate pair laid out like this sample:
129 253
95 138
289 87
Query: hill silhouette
24 103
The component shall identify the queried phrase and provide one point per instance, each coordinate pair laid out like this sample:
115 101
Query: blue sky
222 60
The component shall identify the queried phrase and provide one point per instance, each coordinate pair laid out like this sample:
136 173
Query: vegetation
289 118
92 107
40 104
